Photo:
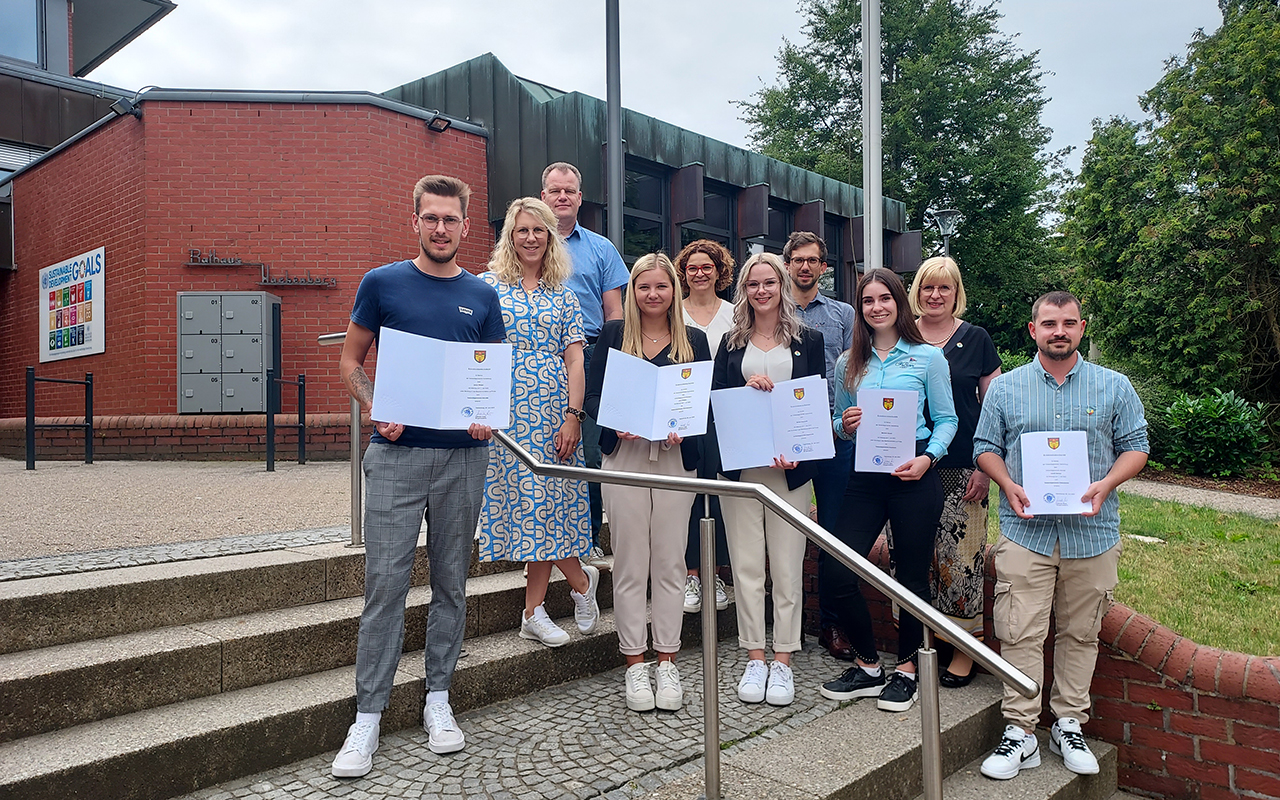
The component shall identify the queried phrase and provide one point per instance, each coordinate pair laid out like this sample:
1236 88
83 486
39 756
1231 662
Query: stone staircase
151 681
233 677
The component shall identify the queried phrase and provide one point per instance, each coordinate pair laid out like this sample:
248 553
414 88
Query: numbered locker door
243 393
200 352
199 313
242 353
242 313
199 394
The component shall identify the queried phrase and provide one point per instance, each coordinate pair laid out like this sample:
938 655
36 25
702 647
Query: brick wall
170 436
1191 722
319 187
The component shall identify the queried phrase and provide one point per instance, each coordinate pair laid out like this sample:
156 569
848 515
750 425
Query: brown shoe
836 642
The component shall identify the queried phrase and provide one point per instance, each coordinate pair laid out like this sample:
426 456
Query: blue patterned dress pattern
525 517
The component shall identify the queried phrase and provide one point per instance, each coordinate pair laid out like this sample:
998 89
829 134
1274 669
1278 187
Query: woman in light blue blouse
888 352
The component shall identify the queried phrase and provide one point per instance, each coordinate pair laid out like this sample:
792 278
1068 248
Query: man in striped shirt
1072 558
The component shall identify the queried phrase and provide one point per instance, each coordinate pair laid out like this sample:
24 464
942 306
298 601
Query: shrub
1219 435
1010 360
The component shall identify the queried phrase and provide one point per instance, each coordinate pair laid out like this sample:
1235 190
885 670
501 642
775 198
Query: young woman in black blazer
647 527
767 344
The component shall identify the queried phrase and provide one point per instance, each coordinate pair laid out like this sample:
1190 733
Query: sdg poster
71 308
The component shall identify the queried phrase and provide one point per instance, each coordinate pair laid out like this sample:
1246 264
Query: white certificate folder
429 383
650 401
792 422
1055 471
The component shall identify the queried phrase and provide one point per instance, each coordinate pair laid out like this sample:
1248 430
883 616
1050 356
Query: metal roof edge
85 85
266 96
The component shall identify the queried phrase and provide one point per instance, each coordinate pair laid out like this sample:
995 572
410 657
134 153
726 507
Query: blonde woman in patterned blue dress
544 522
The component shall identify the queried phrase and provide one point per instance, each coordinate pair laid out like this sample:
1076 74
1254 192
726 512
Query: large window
833 279
717 217
20 30
781 214
645 211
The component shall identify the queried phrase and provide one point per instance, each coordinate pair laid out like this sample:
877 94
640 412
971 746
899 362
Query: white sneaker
751 687
1018 750
670 694
586 611
639 691
722 595
356 756
692 594
540 628
443 733
595 558
1066 740
781 688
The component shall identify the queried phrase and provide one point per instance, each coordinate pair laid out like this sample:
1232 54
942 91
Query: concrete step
160 752
47 611
65 685
1050 781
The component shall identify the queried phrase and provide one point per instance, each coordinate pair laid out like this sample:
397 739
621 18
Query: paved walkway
573 741
71 517
1264 507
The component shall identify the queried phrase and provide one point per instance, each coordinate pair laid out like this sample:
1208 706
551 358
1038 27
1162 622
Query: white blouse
717 328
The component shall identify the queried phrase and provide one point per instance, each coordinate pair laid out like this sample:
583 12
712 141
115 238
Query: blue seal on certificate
468 412
671 423
797 449
877 460
1048 498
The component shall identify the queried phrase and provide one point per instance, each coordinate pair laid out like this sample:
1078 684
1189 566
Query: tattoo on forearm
360 386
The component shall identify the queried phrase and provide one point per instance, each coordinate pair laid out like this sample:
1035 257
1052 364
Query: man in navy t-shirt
412 471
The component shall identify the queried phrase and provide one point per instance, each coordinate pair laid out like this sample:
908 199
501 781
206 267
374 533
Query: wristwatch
577 412
933 460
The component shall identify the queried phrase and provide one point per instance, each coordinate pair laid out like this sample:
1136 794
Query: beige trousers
1079 590
754 533
648 529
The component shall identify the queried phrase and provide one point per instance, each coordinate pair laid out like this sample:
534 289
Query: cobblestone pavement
576 741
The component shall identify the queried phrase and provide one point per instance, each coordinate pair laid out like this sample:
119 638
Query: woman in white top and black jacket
647 526
767 344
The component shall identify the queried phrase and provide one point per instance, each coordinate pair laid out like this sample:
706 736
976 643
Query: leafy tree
961 119
1174 225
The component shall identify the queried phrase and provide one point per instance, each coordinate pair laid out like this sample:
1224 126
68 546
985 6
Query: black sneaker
853 683
899 694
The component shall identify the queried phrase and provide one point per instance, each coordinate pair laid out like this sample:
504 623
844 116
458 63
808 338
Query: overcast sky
683 62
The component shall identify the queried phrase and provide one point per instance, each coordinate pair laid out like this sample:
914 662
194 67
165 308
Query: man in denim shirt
1072 558
806 257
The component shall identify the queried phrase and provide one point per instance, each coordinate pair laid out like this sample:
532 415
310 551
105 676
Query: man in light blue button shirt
598 277
1071 557
806 257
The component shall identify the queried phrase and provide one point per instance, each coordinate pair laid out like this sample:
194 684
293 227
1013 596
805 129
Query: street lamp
947 220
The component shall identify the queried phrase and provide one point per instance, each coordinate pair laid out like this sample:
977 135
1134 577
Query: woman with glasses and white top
705 268
767 345
647 526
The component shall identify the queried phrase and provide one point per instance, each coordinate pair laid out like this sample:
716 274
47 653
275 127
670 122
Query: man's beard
805 287
444 258
1057 356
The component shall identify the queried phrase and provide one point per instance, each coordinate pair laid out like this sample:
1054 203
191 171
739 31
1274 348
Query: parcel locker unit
226 343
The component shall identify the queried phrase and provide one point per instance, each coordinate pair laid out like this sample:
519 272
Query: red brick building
317 184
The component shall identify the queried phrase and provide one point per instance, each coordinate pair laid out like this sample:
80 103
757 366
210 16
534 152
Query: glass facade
20 30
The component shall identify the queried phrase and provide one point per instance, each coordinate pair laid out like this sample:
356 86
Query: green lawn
1213 577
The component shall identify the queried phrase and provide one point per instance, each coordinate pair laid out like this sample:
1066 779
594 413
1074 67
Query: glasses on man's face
695 268
431 222
806 262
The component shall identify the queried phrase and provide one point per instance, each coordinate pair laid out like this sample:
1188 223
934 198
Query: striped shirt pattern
1093 399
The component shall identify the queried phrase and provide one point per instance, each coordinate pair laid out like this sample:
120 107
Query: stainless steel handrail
357 532
930 715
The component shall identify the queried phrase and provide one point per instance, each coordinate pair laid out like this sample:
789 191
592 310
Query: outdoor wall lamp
439 124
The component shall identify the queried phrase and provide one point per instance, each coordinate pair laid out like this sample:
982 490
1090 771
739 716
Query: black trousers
913 508
693 550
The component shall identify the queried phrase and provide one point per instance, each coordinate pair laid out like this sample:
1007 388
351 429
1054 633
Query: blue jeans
828 491
591 455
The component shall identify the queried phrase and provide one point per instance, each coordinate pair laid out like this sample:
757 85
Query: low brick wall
1190 722
173 436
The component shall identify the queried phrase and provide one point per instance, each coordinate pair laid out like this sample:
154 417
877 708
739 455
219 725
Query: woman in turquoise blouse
888 352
